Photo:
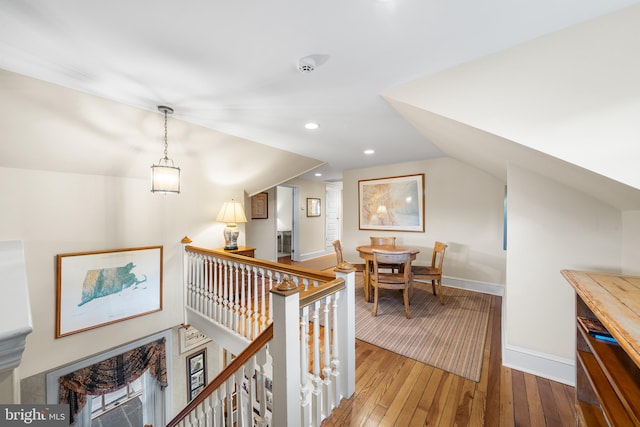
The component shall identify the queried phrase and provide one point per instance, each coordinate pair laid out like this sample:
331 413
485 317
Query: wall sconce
165 177
231 213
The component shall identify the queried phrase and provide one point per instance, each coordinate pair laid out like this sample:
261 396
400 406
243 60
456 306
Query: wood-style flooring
392 390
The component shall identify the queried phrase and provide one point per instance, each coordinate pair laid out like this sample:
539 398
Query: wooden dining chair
398 281
432 273
337 247
384 241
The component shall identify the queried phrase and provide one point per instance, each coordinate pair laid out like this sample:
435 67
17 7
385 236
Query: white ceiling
232 65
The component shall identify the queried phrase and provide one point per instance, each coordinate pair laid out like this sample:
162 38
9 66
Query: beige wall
262 233
631 243
74 174
551 227
463 207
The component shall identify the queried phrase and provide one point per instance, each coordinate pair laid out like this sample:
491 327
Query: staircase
292 331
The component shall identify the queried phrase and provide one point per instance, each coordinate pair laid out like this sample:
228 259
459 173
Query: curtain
113 374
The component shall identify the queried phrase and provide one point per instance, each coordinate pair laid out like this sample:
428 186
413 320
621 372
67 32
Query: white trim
316 254
473 285
540 364
53 376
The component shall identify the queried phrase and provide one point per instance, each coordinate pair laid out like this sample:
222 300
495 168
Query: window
119 408
143 399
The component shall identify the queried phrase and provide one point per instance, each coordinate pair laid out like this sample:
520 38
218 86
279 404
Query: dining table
366 253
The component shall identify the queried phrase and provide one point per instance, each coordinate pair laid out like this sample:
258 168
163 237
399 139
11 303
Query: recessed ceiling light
369 152
318 174
311 126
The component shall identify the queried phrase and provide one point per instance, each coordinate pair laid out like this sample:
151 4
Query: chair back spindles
382 241
400 280
432 273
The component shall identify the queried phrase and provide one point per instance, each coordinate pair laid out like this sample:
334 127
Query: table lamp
231 213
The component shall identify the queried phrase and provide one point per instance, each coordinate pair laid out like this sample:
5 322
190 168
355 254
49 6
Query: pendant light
165 176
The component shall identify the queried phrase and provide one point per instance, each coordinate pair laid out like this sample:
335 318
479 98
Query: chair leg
375 301
440 292
433 286
406 303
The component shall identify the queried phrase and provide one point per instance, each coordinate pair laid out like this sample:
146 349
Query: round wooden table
366 253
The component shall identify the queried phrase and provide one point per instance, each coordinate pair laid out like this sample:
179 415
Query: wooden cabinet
242 250
607 375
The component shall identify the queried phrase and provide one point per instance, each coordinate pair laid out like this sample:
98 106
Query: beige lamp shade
231 213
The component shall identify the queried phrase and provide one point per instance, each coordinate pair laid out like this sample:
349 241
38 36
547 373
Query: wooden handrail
226 373
308 297
301 271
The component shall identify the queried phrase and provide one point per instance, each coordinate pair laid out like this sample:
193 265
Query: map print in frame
103 287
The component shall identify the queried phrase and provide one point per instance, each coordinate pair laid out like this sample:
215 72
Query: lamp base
231 234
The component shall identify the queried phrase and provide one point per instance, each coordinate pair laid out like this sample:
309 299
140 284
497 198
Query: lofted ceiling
232 66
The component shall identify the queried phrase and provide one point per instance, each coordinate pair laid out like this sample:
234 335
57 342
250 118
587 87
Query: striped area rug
450 336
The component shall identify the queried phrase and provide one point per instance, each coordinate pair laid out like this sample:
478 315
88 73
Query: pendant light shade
165 176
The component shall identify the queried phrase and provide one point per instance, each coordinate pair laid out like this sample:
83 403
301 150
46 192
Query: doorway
333 213
284 223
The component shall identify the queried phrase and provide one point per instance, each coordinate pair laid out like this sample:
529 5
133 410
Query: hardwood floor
392 390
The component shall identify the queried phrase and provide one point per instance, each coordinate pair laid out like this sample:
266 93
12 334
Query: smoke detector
306 65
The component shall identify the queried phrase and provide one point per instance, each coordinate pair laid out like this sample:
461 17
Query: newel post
285 349
185 279
347 337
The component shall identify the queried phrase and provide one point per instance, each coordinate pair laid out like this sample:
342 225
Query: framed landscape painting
103 287
391 204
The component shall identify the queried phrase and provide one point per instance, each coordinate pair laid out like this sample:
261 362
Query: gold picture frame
95 289
391 204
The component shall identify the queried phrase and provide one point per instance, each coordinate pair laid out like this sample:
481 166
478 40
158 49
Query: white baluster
242 330
305 387
236 300
317 381
326 363
256 296
336 393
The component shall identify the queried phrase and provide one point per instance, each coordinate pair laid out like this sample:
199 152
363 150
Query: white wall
551 227
631 243
311 229
260 233
74 174
284 208
55 213
463 208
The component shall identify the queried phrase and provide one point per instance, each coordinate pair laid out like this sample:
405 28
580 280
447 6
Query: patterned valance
112 374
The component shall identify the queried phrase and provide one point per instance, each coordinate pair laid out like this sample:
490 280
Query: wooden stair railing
309 374
225 374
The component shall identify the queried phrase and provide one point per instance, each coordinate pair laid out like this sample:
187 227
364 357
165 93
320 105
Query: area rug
450 337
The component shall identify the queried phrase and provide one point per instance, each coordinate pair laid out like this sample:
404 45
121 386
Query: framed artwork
393 204
260 206
95 289
191 338
313 207
196 373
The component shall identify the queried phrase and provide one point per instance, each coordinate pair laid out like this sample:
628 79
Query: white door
333 200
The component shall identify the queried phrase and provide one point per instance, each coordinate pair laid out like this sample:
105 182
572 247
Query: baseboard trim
540 364
472 285
311 255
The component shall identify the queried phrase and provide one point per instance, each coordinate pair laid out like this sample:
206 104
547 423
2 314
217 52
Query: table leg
367 283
